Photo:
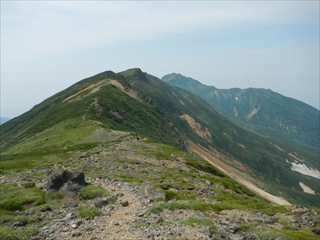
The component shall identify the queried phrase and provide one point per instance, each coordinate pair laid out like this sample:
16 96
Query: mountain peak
135 74
259 110
88 113
177 79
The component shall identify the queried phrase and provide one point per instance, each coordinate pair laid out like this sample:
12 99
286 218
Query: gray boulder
250 236
69 183
100 202
316 231
205 231
148 191
270 220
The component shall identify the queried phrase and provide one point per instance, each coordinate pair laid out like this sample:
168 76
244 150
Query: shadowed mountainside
262 111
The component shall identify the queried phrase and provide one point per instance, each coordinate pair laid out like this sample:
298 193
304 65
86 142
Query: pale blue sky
48 46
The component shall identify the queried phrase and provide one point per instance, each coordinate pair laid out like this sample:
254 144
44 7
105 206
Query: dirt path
119 220
126 219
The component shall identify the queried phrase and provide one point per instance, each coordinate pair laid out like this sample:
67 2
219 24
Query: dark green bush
29 185
8 233
11 204
54 195
85 212
91 192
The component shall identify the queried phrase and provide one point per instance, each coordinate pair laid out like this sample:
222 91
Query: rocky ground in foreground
128 218
131 211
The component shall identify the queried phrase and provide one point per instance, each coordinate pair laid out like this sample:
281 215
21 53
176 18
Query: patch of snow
306 189
303 169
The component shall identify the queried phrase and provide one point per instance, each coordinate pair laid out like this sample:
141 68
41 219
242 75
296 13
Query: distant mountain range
262 111
136 102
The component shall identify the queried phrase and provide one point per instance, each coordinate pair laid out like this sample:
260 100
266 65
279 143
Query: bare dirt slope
236 174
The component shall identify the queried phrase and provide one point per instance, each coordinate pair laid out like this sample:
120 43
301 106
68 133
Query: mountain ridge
259 110
135 101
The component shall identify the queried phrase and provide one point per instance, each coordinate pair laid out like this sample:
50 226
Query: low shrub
11 204
31 195
180 195
288 234
236 201
25 195
91 192
158 199
8 233
174 205
88 212
170 195
54 195
192 221
29 184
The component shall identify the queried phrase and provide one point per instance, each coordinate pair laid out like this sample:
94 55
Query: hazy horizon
48 46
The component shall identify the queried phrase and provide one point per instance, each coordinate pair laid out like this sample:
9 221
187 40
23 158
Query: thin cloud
41 28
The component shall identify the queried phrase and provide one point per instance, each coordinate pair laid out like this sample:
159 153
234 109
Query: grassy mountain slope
134 101
196 195
262 111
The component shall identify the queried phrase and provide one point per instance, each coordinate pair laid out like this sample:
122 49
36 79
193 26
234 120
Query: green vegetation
226 202
15 198
13 216
286 224
29 184
7 233
158 199
183 172
69 120
77 133
287 231
91 192
54 196
296 234
237 201
174 205
88 212
180 195
11 204
192 221
277 117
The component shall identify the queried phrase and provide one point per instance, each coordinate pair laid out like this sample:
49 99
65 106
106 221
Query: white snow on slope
306 189
303 169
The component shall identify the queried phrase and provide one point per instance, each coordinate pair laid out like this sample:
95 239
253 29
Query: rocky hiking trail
129 216
127 219
121 220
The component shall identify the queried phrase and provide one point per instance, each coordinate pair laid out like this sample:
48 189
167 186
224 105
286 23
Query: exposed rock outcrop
148 191
69 183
